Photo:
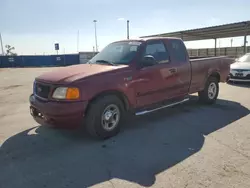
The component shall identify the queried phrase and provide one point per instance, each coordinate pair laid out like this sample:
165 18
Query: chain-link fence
208 52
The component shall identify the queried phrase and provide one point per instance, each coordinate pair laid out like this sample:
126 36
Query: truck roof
147 39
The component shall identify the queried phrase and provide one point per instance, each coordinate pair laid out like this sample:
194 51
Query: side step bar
166 106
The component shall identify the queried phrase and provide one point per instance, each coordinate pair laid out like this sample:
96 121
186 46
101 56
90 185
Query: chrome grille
41 90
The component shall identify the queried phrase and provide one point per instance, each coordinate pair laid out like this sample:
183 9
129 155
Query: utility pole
78 41
127 29
1 41
64 56
96 47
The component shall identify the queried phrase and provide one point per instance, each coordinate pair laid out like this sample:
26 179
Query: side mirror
147 61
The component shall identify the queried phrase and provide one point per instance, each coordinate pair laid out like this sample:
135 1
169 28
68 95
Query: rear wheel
210 92
104 117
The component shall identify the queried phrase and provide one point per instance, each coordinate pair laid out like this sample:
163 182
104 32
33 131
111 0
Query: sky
33 26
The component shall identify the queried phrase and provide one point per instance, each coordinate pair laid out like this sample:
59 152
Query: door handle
173 70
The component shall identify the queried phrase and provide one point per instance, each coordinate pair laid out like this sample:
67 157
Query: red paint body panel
139 86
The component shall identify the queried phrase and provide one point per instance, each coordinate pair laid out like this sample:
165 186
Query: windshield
118 53
244 58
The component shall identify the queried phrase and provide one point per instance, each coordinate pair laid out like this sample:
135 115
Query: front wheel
210 92
104 117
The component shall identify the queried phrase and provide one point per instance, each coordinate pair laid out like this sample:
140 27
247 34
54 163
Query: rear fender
211 73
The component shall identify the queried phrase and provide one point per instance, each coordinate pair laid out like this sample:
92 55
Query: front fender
91 91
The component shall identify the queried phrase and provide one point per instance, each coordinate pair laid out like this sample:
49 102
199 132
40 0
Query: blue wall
39 61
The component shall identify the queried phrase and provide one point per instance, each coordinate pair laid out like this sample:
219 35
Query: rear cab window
157 49
178 50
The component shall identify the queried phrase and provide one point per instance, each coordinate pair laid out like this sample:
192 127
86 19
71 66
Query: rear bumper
59 114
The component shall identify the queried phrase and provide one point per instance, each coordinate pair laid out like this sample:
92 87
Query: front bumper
59 114
233 78
238 80
239 75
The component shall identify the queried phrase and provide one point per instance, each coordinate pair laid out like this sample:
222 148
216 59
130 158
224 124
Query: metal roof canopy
214 32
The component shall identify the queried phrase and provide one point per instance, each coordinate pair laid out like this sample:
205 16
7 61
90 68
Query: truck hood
239 65
75 72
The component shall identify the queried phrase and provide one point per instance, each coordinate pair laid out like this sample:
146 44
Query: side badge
128 78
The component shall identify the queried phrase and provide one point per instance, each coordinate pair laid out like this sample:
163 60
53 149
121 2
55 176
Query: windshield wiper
104 61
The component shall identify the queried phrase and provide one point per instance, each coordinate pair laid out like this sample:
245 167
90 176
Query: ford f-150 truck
138 76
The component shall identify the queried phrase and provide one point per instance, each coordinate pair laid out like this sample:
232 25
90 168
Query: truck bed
202 67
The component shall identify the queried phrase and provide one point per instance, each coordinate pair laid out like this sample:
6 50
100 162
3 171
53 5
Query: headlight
66 93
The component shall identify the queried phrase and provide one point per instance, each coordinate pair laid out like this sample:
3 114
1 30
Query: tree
9 50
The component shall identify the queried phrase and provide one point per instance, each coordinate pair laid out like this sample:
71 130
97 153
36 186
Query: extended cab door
153 82
180 65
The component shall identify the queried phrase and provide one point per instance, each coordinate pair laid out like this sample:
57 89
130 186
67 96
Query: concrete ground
188 146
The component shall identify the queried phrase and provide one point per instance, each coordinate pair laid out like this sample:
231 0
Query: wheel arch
210 74
215 74
118 94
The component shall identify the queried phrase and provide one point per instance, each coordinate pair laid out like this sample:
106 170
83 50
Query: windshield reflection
118 53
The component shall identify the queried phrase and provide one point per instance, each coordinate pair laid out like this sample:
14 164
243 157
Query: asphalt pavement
190 145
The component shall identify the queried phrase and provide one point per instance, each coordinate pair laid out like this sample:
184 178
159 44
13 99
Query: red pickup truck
139 76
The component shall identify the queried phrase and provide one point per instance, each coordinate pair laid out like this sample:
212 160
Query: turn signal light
72 93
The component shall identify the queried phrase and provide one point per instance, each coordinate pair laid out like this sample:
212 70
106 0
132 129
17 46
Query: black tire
94 117
204 96
228 80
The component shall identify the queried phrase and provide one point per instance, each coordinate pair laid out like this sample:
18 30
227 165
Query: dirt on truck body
139 76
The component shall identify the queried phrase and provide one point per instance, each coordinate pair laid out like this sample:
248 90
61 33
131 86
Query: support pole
245 44
215 46
245 38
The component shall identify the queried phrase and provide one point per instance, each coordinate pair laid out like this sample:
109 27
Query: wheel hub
110 117
212 89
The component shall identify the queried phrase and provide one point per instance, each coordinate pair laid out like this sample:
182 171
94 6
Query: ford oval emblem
39 89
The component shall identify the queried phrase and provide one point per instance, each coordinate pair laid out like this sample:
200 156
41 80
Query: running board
166 106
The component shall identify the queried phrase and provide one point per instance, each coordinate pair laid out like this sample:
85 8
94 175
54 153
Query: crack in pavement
220 142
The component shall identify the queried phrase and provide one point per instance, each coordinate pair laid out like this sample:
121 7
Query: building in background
84 57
